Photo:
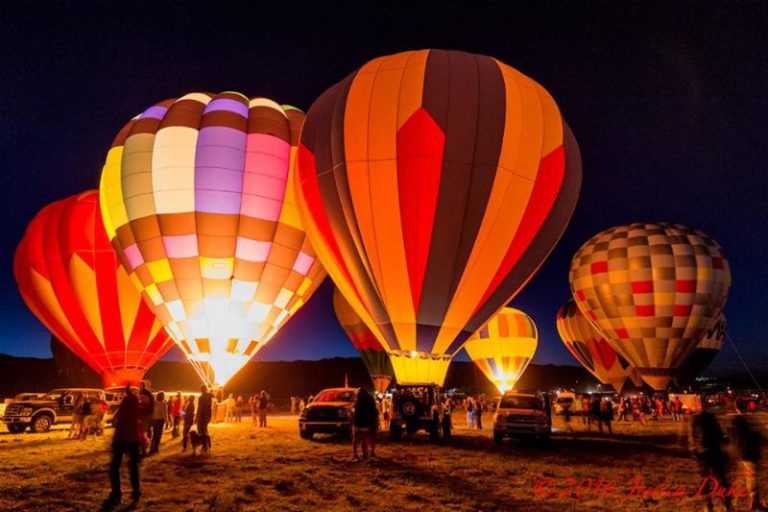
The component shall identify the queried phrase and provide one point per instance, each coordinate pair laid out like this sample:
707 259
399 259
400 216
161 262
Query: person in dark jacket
204 404
706 442
748 443
365 422
147 408
127 439
189 420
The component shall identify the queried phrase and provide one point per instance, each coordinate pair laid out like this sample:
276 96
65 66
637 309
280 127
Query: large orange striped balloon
198 200
653 289
375 358
504 347
70 277
592 350
433 184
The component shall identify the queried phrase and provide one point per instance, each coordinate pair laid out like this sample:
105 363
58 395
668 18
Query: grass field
272 469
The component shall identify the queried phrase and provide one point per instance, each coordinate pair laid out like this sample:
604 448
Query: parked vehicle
521 415
330 412
39 414
418 407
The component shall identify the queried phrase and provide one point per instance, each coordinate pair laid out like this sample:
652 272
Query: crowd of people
88 416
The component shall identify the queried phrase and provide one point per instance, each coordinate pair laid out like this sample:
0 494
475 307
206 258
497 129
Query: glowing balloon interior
198 202
433 185
71 279
504 347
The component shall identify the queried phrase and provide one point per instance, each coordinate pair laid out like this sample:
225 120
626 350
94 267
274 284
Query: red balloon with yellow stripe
433 184
504 347
71 279
592 350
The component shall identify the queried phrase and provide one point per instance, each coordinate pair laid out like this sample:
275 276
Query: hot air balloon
197 201
592 350
504 347
370 349
653 290
706 349
71 279
433 184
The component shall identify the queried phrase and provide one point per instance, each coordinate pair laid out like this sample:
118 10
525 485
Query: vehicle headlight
26 411
344 413
304 412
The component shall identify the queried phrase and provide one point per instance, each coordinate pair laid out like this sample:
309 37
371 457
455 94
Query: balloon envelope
71 279
653 289
705 352
198 203
592 350
370 349
504 347
433 184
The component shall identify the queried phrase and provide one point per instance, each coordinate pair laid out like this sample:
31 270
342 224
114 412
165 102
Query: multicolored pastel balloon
198 202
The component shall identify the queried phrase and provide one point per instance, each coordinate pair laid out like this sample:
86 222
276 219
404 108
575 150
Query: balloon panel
504 347
705 352
591 349
71 279
429 218
653 289
198 200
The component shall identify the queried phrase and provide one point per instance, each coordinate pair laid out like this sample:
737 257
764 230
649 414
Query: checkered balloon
652 289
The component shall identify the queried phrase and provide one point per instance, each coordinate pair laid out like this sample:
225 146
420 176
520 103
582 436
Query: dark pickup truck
39 414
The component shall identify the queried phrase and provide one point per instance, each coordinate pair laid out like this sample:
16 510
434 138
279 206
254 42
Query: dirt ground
251 469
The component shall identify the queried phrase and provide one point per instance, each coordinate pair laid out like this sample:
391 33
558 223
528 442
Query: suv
418 407
330 412
41 413
521 414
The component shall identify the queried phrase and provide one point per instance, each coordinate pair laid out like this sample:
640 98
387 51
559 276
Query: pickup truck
40 414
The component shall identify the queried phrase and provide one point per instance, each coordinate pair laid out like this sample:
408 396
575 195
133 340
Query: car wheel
498 437
305 434
41 423
16 429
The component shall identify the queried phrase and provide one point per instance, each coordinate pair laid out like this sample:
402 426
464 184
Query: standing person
567 416
239 409
470 412
189 420
293 404
302 405
479 412
673 410
645 409
127 439
77 417
147 409
159 418
263 405
748 444
203 418
365 420
176 409
679 407
594 411
229 408
254 403
386 410
586 419
706 441
606 413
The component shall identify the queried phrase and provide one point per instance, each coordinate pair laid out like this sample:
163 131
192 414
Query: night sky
668 102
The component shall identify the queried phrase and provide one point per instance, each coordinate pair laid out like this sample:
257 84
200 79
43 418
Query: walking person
706 442
159 419
365 421
263 405
203 417
147 409
479 408
606 413
748 444
586 419
189 420
126 440
77 417
567 416
594 411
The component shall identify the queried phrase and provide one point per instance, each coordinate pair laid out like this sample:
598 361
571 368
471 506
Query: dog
204 442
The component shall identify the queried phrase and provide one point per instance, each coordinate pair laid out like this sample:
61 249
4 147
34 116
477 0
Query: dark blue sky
668 101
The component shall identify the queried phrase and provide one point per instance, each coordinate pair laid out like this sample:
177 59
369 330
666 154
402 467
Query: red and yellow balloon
71 279
433 184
